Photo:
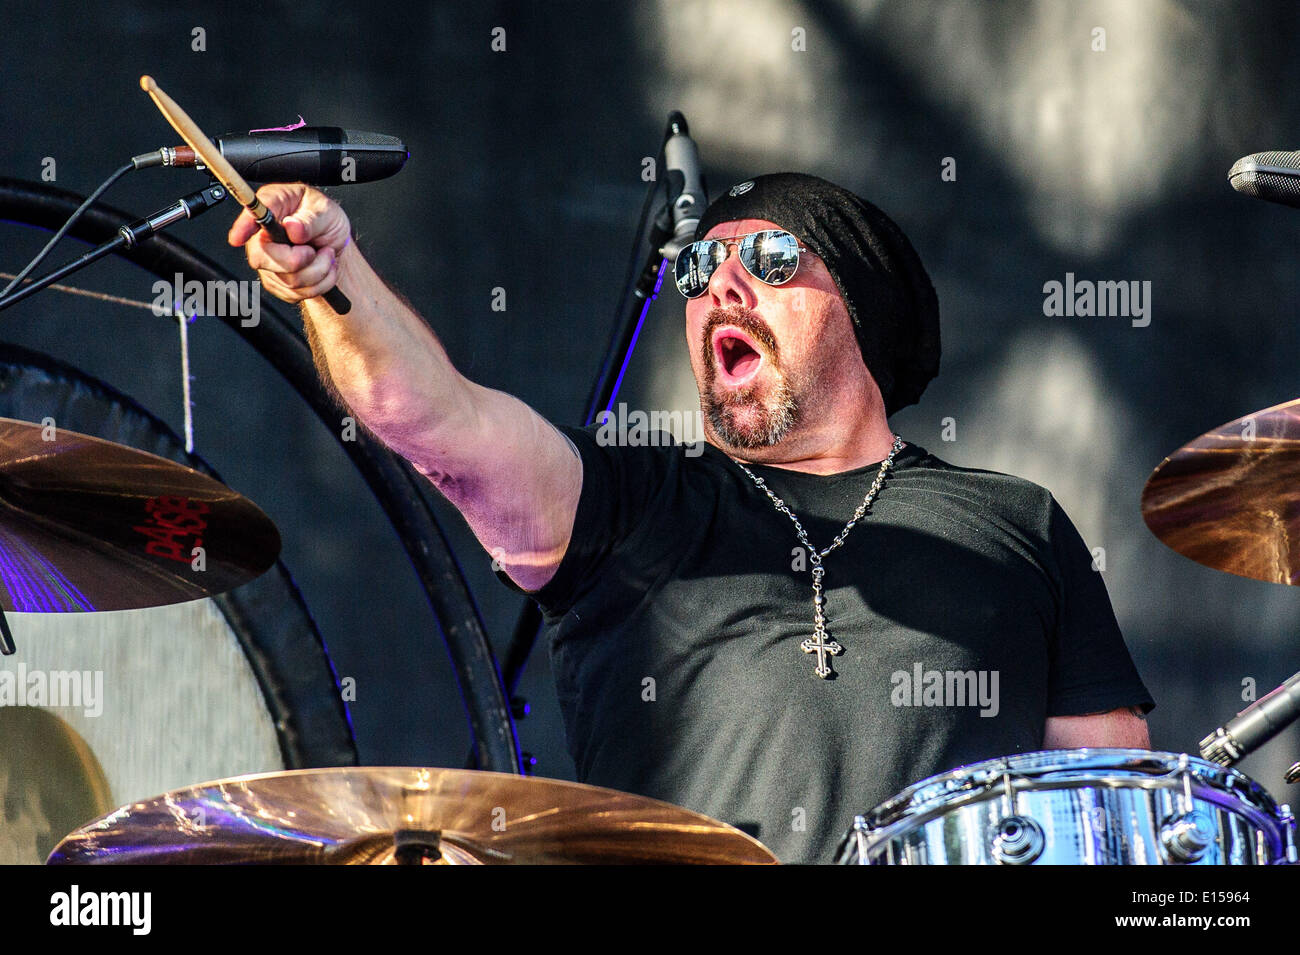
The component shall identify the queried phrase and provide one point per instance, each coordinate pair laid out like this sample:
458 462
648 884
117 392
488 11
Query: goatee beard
756 416
745 420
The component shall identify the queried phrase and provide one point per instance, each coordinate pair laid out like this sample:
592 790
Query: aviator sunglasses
771 256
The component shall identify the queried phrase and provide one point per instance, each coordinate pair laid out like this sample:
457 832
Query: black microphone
316 155
1255 725
1274 176
687 197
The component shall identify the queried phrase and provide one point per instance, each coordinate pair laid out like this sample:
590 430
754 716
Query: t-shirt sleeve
1091 669
619 484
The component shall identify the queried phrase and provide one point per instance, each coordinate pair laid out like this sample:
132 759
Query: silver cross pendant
817 644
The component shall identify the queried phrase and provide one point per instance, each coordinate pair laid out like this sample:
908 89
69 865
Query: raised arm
512 475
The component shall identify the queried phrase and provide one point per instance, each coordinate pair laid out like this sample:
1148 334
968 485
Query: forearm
386 363
1124 727
512 475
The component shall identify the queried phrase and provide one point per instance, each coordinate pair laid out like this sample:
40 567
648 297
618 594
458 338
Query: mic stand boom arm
128 236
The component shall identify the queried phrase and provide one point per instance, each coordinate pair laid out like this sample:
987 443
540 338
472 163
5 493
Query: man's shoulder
1004 493
634 442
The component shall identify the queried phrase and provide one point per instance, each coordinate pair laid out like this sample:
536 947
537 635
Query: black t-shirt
680 605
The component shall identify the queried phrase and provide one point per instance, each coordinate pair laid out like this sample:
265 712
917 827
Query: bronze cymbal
86 524
384 815
1231 499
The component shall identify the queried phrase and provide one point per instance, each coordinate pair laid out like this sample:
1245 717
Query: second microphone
316 155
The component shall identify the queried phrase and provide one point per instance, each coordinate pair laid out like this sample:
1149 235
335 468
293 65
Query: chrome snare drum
1077 807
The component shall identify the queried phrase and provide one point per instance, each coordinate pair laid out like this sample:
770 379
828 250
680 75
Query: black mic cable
72 219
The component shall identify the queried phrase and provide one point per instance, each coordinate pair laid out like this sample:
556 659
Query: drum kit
1077 807
90 525
1225 500
86 524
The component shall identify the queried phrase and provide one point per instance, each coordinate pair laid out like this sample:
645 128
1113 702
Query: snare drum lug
1016 840
853 847
1287 818
860 830
1185 837
1186 802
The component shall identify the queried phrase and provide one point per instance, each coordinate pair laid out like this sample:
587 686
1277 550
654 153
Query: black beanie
885 288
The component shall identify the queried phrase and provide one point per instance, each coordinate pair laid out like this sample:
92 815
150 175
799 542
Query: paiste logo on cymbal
172 518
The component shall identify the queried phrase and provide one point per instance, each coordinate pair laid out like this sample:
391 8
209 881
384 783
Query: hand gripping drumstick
225 174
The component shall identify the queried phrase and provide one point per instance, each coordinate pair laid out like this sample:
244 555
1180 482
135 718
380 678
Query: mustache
746 321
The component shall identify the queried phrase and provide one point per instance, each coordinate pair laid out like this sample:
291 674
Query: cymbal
1231 499
385 815
86 524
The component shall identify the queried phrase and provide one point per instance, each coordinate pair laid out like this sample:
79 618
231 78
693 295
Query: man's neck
831 452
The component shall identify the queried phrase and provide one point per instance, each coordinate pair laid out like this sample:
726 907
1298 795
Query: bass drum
98 710
1077 807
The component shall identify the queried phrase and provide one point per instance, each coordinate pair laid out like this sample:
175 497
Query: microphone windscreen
1274 176
318 155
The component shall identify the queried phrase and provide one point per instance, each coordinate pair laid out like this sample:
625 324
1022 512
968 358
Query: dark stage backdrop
1101 155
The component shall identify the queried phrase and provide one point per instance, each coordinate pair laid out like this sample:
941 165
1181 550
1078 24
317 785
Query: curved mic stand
640 287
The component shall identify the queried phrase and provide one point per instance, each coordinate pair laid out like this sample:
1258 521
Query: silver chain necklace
818 643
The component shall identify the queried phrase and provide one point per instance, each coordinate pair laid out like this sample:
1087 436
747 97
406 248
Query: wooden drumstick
225 174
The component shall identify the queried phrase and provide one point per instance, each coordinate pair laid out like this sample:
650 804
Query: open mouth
737 355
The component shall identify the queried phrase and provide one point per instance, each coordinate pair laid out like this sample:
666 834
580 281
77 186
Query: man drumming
806 615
